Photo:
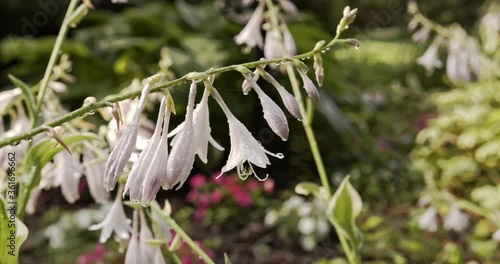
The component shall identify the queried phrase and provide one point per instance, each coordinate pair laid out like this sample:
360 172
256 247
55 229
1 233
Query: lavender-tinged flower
430 60
181 160
115 221
250 35
244 147
288 42
456 219
288 100
148 251
273 114
94 173
68 172
319 71
272 44
246 87
121 153
311 90
289 7
134 253
428 220
140 168
421 35
201 126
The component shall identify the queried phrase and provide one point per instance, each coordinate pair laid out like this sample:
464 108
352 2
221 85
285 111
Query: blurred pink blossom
252 184
197 181
241 197
216 196
200 213
269 186
93 256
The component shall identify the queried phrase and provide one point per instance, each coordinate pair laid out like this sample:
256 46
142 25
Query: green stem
118 98
353 259
53 57
171 222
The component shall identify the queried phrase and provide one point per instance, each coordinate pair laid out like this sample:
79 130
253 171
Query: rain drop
29 139
277 64
91 112
308 57
327 49
357 46
323 51
299 119
245 93
303 58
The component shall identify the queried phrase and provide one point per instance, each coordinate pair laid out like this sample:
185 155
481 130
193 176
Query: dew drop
277 64
303 58
15 144
327 49
308 57
29 139
299 119
323 51
245 93
357 46
91 112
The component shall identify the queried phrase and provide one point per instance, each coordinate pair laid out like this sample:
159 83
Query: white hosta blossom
456 219
289 7
156 172
430 60
288 99
181 159
421 35
309 86
428 220
273 114
246 87
201 125
457 63
244 147
7 96
67 174
496 235
94 172
162 226
289 42
135 253
306 225
490 27
140 168
148 251
272 45
250 35
115 221
121 153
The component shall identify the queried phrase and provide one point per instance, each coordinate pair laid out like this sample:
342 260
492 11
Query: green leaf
28 96
226 259
344 207
13 232
307 188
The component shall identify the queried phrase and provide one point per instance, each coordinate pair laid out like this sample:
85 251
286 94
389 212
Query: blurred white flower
148 251
289 42
308 243
272 45
306 225
428 220
421 35
496 235
68 171
455 219
7 96
271 218
119 1
490 27
162 225
181 159
251 35
135 253
121 153
430 60
94 173
273 114
115 221
289 7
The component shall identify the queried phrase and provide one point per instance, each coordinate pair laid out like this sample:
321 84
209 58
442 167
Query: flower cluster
454 218
207 195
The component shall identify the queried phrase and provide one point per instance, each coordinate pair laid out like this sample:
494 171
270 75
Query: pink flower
269 186
383 144
241 197
186 259
216 196
200 214
96 255
203 201
191 196
197 181
252 185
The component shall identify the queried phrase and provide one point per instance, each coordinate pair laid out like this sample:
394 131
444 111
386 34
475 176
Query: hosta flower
428 220
289 7
250 35
162 227
115 221
157 171
134 253
246 87
288 100
121 153
140 168
272 112
244 147
311 90
288 42
94 173
145 234
67 173
430 60
181 160
7 96
496 235
272 44
201 126
456 219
